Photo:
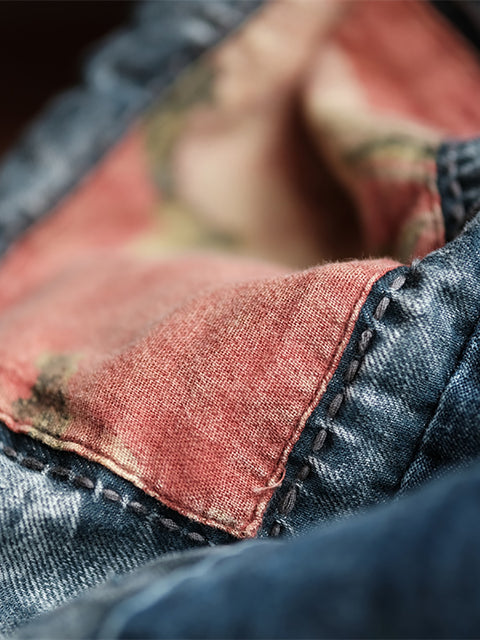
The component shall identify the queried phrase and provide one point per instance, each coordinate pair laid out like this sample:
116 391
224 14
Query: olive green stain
176 226
47 408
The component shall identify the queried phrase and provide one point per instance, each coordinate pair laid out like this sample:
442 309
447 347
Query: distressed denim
74 524
410 413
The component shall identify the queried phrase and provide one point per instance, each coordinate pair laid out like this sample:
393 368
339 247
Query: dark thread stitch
288 502
196 536
352 370
452 164
33 464
84 482
169 524
398 283
364 341
451 168
303 473
137 508
62 473
111 495
381 308
10 453
455 188
335 405
319 440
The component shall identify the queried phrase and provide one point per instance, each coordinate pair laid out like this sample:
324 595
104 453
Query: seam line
82 482
288 502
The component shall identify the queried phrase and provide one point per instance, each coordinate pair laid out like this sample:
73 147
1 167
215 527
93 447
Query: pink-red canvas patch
190 376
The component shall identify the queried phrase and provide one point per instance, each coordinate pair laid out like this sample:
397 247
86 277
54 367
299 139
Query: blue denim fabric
408 569
411 411
60 535
458 168
122 79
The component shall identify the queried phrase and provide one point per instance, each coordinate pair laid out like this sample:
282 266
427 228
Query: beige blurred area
246 162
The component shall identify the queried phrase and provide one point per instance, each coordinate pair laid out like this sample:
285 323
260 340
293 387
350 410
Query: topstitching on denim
288 503
373 438
407 569
74 524
88 483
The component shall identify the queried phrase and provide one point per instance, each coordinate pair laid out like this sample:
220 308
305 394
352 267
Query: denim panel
454 432
458 167
124 77
374 423
61 534
408 569
73 616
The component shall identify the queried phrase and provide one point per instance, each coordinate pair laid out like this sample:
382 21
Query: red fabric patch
192 377
412 63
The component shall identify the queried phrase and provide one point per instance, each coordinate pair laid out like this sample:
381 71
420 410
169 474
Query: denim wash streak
62 533
410 412
64 551
410 415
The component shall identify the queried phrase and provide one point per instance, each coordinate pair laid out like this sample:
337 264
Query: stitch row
84 482
289 500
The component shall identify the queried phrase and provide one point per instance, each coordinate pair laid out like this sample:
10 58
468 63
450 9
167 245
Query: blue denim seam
288 503
86 483
453 209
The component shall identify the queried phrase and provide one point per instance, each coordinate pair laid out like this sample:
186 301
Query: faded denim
406 569
70 536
